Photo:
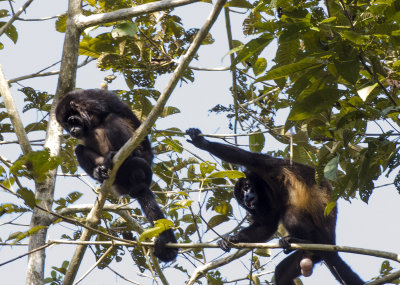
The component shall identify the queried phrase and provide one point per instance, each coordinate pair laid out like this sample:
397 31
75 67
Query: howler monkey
103 124
274 191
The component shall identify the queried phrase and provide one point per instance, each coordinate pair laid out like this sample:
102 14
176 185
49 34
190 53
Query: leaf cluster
337 76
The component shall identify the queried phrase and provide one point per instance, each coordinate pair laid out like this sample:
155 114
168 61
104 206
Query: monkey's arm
256 232
91 162
229 153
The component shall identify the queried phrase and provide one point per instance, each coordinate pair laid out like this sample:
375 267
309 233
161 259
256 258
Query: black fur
103 124
274 191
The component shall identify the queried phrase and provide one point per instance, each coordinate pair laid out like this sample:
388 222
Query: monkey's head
72 116
246 195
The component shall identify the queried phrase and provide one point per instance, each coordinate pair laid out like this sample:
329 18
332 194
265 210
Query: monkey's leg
91 162
288 269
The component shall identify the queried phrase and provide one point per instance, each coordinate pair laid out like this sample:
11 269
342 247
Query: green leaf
11 208
355 38
259 66
331 169
36 163
61 23
311 104
286 70
256 142
266 252
18 236
4 13
159 226
253 47
175 145
11 32
217 220
239 4
207 167
364 92
231 174
328 20
184 203
329 208
28 196
169 110
125 30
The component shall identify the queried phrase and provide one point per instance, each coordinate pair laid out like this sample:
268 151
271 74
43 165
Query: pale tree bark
45 189
13 114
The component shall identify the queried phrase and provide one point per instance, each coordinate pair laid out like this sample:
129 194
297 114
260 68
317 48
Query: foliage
337 72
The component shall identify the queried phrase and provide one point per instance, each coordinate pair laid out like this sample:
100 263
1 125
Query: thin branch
40 19
201 270
27 253
233 68
13 114
49 73
94 265
15 17
121 276
222 68
294 246
260 97
385 279
85 226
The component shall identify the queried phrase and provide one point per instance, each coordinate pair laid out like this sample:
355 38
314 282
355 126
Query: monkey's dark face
248 194
250 197
76 126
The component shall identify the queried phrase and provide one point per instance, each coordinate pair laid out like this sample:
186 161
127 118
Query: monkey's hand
225 242
286 241
100 173
196 139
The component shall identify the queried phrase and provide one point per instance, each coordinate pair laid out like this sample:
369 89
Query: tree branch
45 189
201 270
15 17
385 279
49 73
13 114
84 22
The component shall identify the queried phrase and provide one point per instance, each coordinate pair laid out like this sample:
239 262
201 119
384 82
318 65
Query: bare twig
94 265
43 74
201 270
27 253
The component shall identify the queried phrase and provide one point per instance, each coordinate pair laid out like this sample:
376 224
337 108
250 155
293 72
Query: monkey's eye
73 121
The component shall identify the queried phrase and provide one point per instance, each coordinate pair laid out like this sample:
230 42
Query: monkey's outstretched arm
229 153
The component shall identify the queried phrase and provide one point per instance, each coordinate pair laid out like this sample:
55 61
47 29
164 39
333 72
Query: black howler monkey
103 124
274 191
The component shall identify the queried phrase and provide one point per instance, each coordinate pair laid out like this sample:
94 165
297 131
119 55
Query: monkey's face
250 197
245 193
76 126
